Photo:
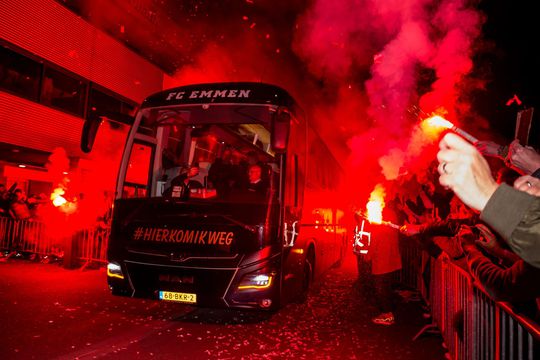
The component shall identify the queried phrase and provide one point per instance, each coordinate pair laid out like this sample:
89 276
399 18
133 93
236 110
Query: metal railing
84 247
473 325
91 245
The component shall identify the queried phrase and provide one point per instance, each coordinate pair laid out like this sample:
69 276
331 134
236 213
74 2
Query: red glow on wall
49 30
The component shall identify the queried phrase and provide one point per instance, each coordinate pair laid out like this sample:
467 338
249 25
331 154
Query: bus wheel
307 279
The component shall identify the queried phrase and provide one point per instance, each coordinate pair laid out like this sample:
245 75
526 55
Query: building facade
56 69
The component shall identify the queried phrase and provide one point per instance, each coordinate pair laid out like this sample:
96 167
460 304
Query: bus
220 244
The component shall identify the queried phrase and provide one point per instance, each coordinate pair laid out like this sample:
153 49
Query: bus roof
222 93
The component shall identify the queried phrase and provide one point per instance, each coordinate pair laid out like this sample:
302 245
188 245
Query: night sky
512 62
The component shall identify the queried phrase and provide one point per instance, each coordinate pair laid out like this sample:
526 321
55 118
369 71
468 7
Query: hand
488 240
529 184
522 158
489 148
410 229
465 171
466 237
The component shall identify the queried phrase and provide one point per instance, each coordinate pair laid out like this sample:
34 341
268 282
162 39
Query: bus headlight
256 281
114 270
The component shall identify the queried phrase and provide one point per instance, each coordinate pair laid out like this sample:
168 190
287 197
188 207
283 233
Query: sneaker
384 319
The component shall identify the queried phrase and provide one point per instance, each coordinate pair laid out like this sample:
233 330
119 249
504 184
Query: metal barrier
93 245
411 272
454 300
473 325
86 246
505 334
5 233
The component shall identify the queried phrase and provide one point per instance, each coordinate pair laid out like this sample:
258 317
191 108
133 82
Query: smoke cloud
418 54
357 67
85 189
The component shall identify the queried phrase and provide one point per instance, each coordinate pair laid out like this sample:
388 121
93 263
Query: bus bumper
255 286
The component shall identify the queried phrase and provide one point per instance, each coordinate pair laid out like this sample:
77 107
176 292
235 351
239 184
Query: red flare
376 205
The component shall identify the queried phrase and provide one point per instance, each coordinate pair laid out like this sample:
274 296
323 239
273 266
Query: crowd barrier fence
84 247
472 324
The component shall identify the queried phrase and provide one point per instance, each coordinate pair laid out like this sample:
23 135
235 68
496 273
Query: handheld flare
378 222
391 224
439 121
464 134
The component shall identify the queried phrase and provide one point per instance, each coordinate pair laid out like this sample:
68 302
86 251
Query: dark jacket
517 283
515 215
445 228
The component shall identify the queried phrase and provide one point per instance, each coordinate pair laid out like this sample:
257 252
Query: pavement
49 312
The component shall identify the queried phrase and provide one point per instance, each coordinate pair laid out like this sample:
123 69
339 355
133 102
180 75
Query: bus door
297 263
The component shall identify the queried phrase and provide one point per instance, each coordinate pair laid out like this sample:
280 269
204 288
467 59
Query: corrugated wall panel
28 124
51 31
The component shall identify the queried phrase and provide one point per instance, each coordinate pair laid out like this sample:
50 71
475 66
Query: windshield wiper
252 228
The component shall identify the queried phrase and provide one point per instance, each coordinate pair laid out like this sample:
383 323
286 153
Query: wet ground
48 312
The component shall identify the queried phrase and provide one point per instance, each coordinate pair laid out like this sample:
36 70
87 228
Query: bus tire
307 275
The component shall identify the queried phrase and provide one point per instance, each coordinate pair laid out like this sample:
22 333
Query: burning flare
59 201
376 205
57 198
439 121
435 124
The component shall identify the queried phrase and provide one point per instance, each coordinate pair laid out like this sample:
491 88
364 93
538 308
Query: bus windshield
207 152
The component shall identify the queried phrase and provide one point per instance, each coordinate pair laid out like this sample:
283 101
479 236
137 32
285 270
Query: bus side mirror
281 122
89 132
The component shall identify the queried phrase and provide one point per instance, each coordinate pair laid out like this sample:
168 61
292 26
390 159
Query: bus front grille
210 284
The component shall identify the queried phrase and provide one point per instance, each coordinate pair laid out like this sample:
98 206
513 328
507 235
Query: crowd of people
16 205
22 219
509 212
483 213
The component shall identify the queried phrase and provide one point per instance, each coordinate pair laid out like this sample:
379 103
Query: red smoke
356 66
399 40
365 63
88 187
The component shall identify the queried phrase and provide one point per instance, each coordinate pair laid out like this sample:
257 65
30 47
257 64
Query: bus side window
295 180
138 171
291 195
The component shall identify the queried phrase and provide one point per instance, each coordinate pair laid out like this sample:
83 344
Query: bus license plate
178 297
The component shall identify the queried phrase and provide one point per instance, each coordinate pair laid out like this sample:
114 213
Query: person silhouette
182 185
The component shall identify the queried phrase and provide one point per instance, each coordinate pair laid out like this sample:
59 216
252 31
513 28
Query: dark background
512 62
